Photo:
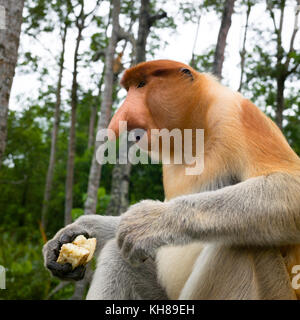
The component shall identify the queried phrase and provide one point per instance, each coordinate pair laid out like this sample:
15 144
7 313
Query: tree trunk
195 42
281 68
103 121
121 172
56 121
10 28
93 117
280 101
119 189
243 51
143 31
72 137
221 43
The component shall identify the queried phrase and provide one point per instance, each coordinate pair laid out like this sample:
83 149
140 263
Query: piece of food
79 252
70 253
89 244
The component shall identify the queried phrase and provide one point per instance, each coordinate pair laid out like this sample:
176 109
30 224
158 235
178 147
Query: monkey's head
161 94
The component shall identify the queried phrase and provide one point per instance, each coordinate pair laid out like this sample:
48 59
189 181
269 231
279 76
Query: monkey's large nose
133 113
114 124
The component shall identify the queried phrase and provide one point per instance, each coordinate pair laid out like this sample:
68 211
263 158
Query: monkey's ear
187 72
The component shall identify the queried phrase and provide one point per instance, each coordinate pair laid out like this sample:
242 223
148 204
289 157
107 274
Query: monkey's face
160 95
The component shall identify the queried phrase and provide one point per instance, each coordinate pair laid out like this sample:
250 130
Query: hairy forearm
103 228
258 211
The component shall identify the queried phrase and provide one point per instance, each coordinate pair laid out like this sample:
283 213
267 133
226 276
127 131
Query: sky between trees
179 47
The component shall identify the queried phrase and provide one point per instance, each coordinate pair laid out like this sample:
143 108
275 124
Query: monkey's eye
187 72
141 84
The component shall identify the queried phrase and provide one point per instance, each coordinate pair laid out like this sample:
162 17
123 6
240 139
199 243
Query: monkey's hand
144 228
91 226
51 252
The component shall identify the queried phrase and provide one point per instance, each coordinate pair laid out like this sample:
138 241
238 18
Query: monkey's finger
65 272
59 269
76 274
70 235
51 251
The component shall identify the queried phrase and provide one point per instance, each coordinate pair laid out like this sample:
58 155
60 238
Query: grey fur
245 223
262 211
116 279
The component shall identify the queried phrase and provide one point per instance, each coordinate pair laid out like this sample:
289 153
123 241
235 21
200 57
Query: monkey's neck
177 183
221 169
240 142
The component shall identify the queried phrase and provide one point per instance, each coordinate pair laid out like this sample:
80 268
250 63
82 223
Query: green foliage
99 42
36 13
103 200
292 117
21 255
76 213
204 62
265 66
146 183
26 158
191 10
130 9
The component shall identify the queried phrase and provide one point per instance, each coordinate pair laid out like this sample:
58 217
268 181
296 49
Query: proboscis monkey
231 232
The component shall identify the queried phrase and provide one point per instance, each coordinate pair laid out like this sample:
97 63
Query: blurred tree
93 116
146 21
63 10
193 62
106 106
192 11
99 43
271 69
80 22
284 60
221 42
128 9
121 173
249 4
10 28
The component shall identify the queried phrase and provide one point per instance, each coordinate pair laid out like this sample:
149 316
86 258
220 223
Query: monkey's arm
103 228
259 211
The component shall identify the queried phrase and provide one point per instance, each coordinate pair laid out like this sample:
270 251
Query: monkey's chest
222 272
